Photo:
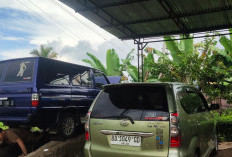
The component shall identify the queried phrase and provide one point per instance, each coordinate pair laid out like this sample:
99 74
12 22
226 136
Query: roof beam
179 23
96 11
206 11
111 4
132 33
213 28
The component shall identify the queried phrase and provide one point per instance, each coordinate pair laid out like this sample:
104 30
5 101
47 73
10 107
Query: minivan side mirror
214 107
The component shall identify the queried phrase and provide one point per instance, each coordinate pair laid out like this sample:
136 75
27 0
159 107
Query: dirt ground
225 149
74 148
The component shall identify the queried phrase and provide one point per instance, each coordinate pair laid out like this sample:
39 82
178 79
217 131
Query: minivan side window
82 78
100 79
20 71
192 102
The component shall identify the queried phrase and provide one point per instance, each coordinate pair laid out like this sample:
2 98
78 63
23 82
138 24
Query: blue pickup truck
47 93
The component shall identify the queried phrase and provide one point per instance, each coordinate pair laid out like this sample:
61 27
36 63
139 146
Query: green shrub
224 125
224 130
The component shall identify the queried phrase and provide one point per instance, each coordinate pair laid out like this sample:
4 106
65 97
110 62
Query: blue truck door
54 89
83 92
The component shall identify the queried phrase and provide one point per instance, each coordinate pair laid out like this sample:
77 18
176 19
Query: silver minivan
150 120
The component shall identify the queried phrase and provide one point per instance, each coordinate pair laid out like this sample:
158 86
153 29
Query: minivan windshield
137 102
19 71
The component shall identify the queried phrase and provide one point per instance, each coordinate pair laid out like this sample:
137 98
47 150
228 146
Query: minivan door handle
111 132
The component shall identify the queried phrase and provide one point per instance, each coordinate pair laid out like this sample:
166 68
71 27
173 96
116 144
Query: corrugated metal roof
130 19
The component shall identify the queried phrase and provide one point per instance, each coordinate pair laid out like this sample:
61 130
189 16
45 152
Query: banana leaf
133 72
173 47
227 44
230 30
160 54
97 62
91 63
113 63
221 52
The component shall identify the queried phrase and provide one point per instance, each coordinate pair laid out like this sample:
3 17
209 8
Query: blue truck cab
47 93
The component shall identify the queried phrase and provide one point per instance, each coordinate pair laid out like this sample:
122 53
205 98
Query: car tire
68 125
197 153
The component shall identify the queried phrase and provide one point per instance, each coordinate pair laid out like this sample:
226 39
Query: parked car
47 93
149 120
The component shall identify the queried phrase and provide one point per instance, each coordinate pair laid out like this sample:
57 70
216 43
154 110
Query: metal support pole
141 45
138 59
142 59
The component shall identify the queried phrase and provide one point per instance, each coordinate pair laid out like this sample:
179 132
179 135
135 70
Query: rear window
138 102
20 71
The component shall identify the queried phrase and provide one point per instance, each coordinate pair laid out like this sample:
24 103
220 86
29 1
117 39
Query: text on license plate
6 103
126 140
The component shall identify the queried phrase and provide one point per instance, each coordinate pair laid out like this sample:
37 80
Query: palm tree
44 51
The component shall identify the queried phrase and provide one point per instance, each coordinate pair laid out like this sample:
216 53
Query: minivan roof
43 58
143 83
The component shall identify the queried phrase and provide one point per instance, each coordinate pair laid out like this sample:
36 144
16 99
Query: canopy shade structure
131 19
142 20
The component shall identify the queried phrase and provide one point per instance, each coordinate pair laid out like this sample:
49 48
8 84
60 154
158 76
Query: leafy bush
224 125
224 130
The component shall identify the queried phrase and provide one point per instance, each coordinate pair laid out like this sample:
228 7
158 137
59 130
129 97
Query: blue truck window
100 79
61 79
86 79
76 81
20 71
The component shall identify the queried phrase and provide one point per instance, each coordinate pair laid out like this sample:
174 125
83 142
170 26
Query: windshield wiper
128 117
120 117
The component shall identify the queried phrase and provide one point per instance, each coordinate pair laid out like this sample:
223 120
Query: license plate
6 103
126 140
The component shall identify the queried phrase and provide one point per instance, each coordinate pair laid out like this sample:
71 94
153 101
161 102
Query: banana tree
147 66
227 44
179 60
113 66
179 50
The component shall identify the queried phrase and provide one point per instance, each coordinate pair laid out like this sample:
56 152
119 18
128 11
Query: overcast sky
26 24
